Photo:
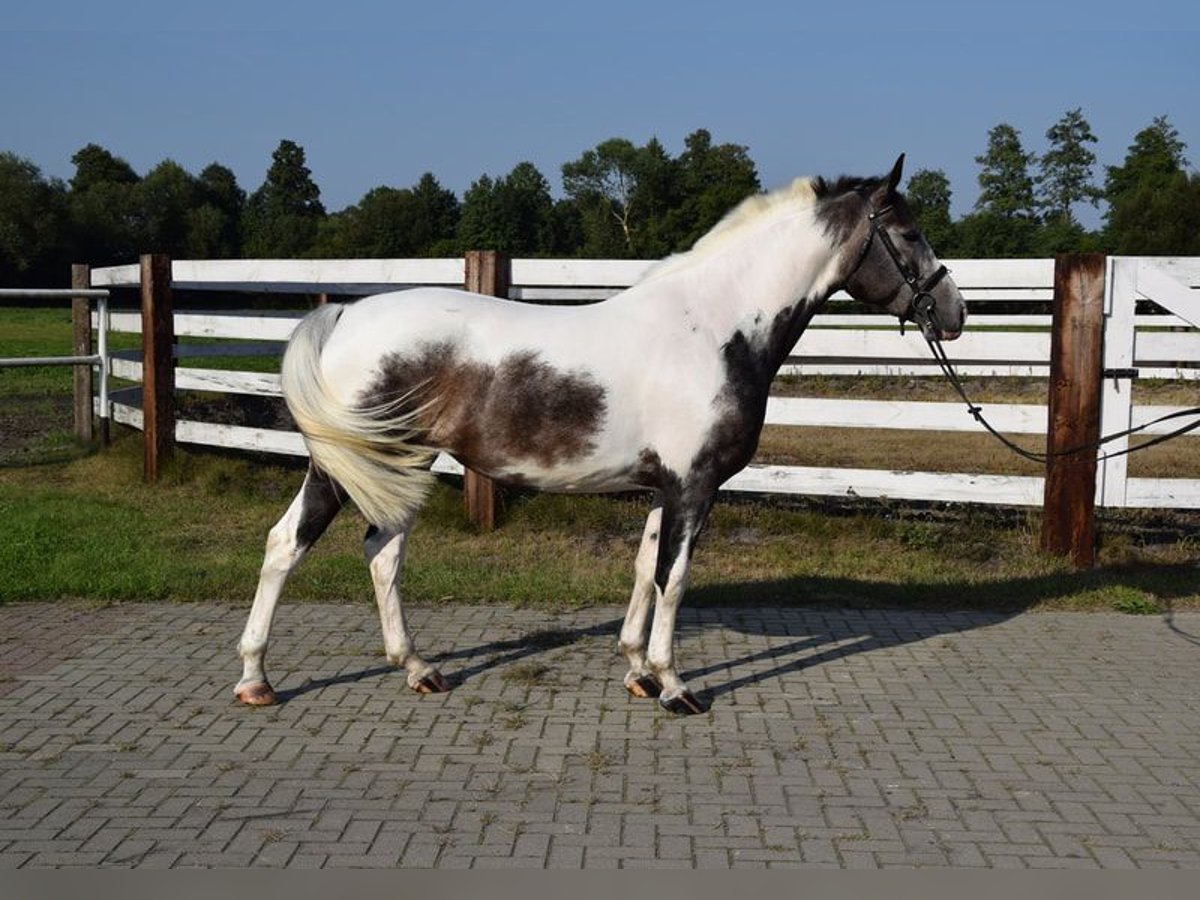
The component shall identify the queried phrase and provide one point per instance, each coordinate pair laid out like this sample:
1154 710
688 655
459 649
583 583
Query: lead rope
921 311
976 411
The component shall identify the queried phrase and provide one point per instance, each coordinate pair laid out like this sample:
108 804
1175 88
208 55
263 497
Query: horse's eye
911 236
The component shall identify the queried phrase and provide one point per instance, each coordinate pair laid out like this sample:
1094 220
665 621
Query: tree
103 207
1004 222
1152 200
656 199
283 215
436 211
928 193
513 214
165 199
95 167
1005 185
712 180
1155 155
392 223
1065 176
214 224
32 218
638 201
1159 216
602 183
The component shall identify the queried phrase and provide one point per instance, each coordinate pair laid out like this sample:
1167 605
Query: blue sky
378 93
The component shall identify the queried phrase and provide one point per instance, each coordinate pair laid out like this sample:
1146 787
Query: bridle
921 308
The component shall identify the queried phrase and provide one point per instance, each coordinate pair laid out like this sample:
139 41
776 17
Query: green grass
89 529
79 524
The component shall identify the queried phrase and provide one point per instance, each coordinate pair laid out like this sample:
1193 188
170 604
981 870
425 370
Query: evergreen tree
928 193
1005 185
1004 222
436 211
1157 218
513 214
656 196
1154 156
283 215
479 227
1154 205
1065 176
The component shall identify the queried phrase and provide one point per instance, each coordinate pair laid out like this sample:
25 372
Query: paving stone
854 738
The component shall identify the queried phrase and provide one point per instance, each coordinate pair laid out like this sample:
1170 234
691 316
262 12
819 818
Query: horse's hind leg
385 550
638 680
305 520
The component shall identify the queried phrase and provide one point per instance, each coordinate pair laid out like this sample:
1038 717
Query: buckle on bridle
921 309
922 313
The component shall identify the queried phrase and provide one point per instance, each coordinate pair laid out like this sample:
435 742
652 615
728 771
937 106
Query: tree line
620 200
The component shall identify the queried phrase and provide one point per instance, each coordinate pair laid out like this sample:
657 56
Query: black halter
921 308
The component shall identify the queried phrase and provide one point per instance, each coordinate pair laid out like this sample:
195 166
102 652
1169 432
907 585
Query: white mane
800 194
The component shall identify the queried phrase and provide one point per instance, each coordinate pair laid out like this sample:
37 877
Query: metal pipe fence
99 359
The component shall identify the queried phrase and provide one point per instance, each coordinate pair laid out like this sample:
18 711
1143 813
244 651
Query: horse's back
524 392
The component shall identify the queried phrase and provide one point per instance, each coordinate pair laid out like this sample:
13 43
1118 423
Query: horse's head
886 261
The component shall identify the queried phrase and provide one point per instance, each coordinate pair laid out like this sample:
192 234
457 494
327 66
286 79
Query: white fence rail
1001 344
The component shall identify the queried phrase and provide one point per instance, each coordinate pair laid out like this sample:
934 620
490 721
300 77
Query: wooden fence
1005 343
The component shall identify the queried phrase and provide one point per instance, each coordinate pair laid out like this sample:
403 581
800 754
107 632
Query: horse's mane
800 194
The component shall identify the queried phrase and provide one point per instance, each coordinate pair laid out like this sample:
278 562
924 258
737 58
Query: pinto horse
662 387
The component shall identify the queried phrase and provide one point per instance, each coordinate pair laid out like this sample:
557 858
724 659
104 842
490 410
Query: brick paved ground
836 738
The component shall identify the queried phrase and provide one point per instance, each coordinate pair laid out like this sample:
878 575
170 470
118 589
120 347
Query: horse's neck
765 289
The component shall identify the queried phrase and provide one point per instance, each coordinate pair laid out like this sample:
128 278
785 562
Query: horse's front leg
385 556
682 521
638 680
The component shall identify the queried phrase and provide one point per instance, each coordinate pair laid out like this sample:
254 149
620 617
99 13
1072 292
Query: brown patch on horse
491 416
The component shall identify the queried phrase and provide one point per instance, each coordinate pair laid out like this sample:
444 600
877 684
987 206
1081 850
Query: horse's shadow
829 619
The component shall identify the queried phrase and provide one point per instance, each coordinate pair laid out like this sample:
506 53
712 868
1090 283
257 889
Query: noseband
921 306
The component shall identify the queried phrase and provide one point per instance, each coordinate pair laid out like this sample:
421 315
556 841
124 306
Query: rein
976 411
921 310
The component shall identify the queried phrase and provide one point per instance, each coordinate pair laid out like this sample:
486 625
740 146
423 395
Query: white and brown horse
661 387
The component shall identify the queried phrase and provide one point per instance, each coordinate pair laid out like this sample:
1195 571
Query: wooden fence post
158 363
1076 346
81 325
487 272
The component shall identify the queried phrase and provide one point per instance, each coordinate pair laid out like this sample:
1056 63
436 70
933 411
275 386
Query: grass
88 528
81 525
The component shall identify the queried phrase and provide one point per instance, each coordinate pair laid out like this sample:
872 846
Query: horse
662 387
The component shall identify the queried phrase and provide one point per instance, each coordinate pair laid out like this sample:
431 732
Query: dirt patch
33 426
248 411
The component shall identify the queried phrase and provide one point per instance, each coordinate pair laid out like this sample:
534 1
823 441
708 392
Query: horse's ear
893 179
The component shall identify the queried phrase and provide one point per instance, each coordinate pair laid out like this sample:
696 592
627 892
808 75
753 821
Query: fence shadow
878 615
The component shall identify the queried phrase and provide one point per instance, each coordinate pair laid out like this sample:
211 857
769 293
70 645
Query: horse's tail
372 452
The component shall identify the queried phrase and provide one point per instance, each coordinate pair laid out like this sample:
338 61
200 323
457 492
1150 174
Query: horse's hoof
433 683
644 686
258 693
682 704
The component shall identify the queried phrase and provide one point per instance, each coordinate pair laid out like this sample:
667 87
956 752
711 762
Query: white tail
373 453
